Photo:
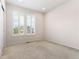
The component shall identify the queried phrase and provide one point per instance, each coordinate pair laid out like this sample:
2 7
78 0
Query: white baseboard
62 45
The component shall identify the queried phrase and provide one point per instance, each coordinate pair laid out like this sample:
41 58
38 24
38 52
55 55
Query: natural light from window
23 24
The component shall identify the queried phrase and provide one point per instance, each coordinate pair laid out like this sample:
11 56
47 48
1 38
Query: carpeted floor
39 50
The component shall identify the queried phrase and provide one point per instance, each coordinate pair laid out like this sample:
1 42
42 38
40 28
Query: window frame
25 24
18 14
13 24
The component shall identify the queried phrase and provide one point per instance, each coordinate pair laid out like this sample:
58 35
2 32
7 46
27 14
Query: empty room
39 29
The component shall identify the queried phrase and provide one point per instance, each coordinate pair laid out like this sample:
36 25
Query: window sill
24 35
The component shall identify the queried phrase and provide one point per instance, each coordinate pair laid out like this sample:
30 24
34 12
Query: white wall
2 18
62 24
21 39
1 31
4 23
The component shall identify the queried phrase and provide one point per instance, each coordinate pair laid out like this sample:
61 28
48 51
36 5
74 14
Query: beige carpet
39 50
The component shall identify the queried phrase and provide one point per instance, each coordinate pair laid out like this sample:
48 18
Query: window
30 24
18 24
21 25
15 27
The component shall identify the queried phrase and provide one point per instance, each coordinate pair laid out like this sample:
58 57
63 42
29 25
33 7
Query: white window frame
35 25
25 24
19 14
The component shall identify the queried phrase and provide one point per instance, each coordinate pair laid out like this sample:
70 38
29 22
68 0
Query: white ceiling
38 4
